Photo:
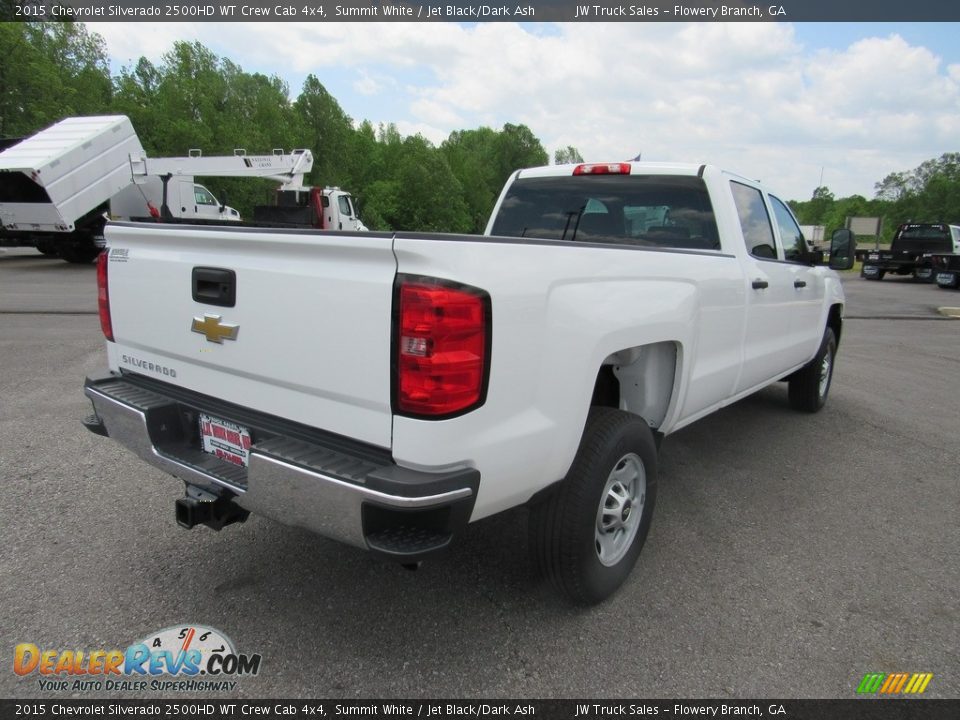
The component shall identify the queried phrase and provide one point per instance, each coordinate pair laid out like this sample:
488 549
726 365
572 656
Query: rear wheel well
835 321
639 380
606 389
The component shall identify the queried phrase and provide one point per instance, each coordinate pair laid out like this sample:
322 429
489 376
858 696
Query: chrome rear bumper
319 482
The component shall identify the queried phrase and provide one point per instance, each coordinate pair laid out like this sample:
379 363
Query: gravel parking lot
789 554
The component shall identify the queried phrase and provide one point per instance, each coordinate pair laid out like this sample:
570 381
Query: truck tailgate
307 336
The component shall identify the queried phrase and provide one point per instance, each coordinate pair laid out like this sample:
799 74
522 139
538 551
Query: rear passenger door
767 348
806 328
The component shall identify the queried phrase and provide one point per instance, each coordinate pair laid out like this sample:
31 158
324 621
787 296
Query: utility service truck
386 389
60 186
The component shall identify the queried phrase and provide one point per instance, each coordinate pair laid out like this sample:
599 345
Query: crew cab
387 389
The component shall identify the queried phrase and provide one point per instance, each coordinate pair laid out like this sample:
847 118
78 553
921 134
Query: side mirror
842 248
223 200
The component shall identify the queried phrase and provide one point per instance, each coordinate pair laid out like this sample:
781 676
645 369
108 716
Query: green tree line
192 98
929 193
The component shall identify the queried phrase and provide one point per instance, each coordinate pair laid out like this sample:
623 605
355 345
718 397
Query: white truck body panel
562 311
313 313
79 163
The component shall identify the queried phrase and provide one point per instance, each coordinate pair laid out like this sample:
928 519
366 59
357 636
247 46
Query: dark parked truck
911 250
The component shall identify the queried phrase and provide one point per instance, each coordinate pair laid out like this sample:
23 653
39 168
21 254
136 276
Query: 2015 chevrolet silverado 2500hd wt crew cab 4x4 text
385 389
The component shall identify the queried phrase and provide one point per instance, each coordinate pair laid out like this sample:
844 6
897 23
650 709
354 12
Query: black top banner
461 11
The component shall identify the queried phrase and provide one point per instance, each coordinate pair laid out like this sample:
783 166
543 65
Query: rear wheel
79 254
809 385
586 537
47 248
948 283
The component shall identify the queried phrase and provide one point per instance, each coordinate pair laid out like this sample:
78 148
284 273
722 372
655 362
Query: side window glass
202 196
344 203
754 221
794 246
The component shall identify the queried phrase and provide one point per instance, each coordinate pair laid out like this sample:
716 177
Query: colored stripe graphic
894 683
871 683
918 683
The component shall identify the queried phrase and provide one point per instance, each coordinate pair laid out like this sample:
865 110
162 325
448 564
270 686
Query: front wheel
810 384
586 537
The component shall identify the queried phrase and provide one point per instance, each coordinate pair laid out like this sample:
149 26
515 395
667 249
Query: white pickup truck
386 389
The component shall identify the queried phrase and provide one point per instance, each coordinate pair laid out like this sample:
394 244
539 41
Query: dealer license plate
227 440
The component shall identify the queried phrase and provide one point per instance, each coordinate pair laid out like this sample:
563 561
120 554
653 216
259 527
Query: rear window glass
645 210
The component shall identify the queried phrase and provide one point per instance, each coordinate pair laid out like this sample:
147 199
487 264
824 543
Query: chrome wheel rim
620 510
825 366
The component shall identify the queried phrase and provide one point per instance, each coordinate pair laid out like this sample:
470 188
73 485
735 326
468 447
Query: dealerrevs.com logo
181 658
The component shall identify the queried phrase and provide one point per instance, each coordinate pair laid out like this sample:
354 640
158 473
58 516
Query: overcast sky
775 101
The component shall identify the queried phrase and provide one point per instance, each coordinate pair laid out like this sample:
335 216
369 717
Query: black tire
79 254
47 248
810 384
586 536
952 285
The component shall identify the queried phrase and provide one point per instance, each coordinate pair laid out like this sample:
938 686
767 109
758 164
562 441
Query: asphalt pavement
789 555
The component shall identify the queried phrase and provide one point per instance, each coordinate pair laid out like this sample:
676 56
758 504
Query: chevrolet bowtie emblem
214 330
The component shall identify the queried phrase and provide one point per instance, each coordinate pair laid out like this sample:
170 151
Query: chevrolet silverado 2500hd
385 389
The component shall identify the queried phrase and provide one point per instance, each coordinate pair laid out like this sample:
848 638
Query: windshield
647 210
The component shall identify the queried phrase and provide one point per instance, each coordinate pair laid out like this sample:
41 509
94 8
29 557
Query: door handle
799 283
760 284
215 286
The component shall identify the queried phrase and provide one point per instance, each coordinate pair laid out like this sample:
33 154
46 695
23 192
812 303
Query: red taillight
103 296
442 347
602 169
